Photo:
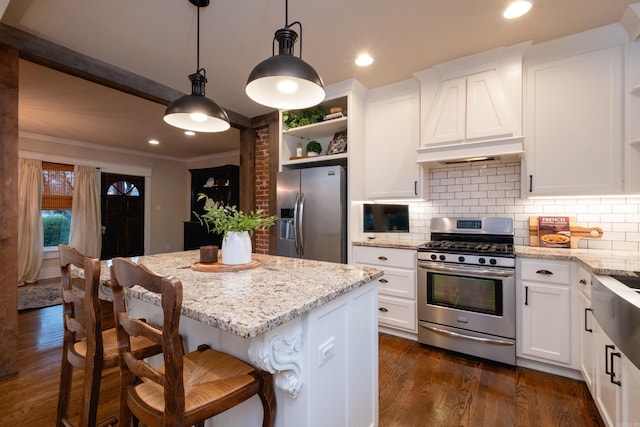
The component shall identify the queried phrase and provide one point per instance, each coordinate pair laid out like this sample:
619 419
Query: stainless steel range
466 287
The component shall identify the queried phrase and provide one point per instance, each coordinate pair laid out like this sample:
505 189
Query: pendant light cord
198 44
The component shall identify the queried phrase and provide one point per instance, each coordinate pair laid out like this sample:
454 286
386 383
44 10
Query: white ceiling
157 39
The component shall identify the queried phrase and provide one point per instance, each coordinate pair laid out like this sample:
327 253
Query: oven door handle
464 269
466 337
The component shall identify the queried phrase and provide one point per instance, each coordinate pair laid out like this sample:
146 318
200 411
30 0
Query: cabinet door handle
585 320
583 282
384 310
606 358
526 295
383 258
530 183
545 272
415 188
612 375
384 281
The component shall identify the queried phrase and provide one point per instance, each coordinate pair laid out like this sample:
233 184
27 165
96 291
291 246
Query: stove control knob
493 261
434 257
461 258
481 260
442 257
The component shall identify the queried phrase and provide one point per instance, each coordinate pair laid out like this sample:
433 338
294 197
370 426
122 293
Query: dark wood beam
9 209
57 57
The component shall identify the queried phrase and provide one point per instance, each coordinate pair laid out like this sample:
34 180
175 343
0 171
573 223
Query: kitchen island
312 324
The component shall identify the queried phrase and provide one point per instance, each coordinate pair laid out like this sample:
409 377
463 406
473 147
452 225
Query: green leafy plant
314 146
305 117
224 219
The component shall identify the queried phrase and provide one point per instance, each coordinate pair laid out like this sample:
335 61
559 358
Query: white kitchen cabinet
574 115
397 307
584 327
617 382
630 393
544 304
392 137
585 331
469 108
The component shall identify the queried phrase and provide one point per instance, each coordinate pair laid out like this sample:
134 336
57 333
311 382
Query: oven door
474 298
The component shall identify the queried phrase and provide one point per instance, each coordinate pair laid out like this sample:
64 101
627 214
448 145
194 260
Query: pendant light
196 112
285 81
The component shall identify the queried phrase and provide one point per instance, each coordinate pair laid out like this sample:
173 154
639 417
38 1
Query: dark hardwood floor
418 387
425 387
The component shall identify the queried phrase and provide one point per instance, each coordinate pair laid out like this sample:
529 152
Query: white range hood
506 149
472 108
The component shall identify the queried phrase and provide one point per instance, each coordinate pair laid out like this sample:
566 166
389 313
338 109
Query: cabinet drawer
397 313
546 271
385 257
398 283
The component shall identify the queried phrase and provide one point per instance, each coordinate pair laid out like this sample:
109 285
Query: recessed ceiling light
364 60
189 132
154 142
517 9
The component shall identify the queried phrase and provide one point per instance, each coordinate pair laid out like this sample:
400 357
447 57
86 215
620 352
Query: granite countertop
251 302
601 262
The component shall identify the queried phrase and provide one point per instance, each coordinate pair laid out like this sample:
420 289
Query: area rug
39 295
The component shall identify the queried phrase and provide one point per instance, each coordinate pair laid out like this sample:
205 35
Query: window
123 188
57 194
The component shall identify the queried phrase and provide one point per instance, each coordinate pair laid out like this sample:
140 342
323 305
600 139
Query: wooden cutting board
577 232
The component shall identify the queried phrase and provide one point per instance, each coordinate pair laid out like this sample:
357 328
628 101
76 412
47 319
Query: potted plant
314 148
236 228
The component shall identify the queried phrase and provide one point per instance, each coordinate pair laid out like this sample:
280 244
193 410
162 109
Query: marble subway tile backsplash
493 189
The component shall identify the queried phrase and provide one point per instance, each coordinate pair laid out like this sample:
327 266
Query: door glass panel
123 188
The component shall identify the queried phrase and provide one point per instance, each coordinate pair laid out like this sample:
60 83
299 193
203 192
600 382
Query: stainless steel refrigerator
312 210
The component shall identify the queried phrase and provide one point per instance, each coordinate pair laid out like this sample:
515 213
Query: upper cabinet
574 115
392 137
471 107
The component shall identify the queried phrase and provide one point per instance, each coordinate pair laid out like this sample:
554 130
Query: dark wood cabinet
220 184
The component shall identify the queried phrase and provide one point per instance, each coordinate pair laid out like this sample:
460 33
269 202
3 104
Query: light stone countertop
251 302
602 262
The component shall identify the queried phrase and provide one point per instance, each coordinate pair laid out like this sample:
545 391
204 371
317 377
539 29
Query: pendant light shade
285 81
196 112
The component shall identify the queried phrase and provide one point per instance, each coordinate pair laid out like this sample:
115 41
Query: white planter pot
236 248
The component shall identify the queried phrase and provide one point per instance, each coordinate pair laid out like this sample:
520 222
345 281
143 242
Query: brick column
262 185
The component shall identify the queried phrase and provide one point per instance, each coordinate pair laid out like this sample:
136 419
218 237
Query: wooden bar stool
189 388
85 345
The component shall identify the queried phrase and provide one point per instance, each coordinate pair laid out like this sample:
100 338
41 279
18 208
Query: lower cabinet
397 289
617 383
586 333
544 306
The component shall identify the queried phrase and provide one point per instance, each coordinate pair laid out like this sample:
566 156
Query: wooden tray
577 232
219 267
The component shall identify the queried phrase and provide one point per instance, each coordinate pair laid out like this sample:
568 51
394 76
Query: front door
122 215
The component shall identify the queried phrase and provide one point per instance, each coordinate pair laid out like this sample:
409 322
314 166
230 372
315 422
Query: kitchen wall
493 189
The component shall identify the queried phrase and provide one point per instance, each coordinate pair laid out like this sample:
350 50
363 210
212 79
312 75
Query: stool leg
268 398
91 389
66 374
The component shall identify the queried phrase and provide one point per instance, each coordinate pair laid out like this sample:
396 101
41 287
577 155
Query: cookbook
554 232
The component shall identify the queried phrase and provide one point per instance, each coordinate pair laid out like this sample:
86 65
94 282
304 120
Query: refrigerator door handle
300 217
295 224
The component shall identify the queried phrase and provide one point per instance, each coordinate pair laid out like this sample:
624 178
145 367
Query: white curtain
30 236
86 229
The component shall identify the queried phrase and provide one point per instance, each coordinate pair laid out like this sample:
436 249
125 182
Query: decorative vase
236 248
